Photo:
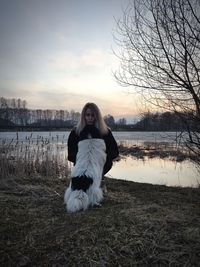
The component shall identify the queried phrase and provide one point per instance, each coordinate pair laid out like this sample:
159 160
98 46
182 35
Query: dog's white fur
90 161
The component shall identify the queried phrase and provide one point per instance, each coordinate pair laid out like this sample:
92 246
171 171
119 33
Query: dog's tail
76 200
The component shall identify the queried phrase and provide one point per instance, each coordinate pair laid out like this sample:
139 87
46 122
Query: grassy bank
137 225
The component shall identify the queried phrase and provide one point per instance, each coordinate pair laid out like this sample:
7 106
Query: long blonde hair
99 121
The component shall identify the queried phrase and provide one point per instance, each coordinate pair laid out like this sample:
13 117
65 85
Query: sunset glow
58 55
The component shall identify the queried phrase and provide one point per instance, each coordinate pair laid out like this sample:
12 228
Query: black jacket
111 145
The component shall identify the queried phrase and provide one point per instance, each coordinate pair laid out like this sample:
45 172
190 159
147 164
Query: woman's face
89 117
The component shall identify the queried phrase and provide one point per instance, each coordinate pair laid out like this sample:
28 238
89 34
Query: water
155 171
129 137
25 136
142 137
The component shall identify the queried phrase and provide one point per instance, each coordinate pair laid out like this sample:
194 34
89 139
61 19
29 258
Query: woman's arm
72 144
111 146
111 151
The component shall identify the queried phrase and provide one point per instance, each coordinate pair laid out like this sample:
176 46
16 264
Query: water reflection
40 146
156 171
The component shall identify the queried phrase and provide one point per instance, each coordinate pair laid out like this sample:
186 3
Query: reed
45 156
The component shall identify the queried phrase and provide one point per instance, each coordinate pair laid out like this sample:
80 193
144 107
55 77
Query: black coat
111 145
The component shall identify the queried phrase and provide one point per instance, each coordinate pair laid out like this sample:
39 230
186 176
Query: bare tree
159 44
121 121
13 103
19 103
109 120
66 114
24 104
3 103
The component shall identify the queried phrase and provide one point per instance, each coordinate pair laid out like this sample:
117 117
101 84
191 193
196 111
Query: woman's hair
99 121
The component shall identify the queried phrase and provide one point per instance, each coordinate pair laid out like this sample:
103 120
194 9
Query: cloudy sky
57 54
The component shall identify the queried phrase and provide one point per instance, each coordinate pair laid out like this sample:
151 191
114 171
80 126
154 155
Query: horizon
130 119
60 54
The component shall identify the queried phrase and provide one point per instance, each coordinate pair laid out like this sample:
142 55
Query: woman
92 148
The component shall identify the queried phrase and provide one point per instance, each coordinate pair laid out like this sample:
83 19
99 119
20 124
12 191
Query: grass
137 224
44 156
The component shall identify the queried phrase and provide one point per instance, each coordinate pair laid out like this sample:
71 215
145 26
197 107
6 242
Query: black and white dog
84 189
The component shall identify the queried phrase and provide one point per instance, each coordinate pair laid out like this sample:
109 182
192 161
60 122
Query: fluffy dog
84 189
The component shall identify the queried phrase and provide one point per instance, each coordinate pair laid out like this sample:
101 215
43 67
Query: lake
154 170
129 137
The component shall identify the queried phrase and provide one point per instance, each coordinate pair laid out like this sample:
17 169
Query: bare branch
160 55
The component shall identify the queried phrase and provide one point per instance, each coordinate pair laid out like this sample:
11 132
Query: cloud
93 60
74 100
70 80
90 72
72 94
9 92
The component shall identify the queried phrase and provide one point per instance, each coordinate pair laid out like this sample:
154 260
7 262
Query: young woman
92 148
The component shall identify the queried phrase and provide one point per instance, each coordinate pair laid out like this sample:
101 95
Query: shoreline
137 224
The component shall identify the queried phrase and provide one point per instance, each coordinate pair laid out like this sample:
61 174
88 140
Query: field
137 224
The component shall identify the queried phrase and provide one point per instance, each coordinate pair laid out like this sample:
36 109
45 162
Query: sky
57 54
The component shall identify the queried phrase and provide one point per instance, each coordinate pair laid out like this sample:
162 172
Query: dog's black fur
81 183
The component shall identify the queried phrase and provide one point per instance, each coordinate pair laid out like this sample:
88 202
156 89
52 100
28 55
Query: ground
137 225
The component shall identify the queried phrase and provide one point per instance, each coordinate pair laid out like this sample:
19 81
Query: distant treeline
14 114
166 121
38 117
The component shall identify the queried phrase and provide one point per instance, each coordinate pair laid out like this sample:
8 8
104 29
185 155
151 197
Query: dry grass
44 156
137 225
